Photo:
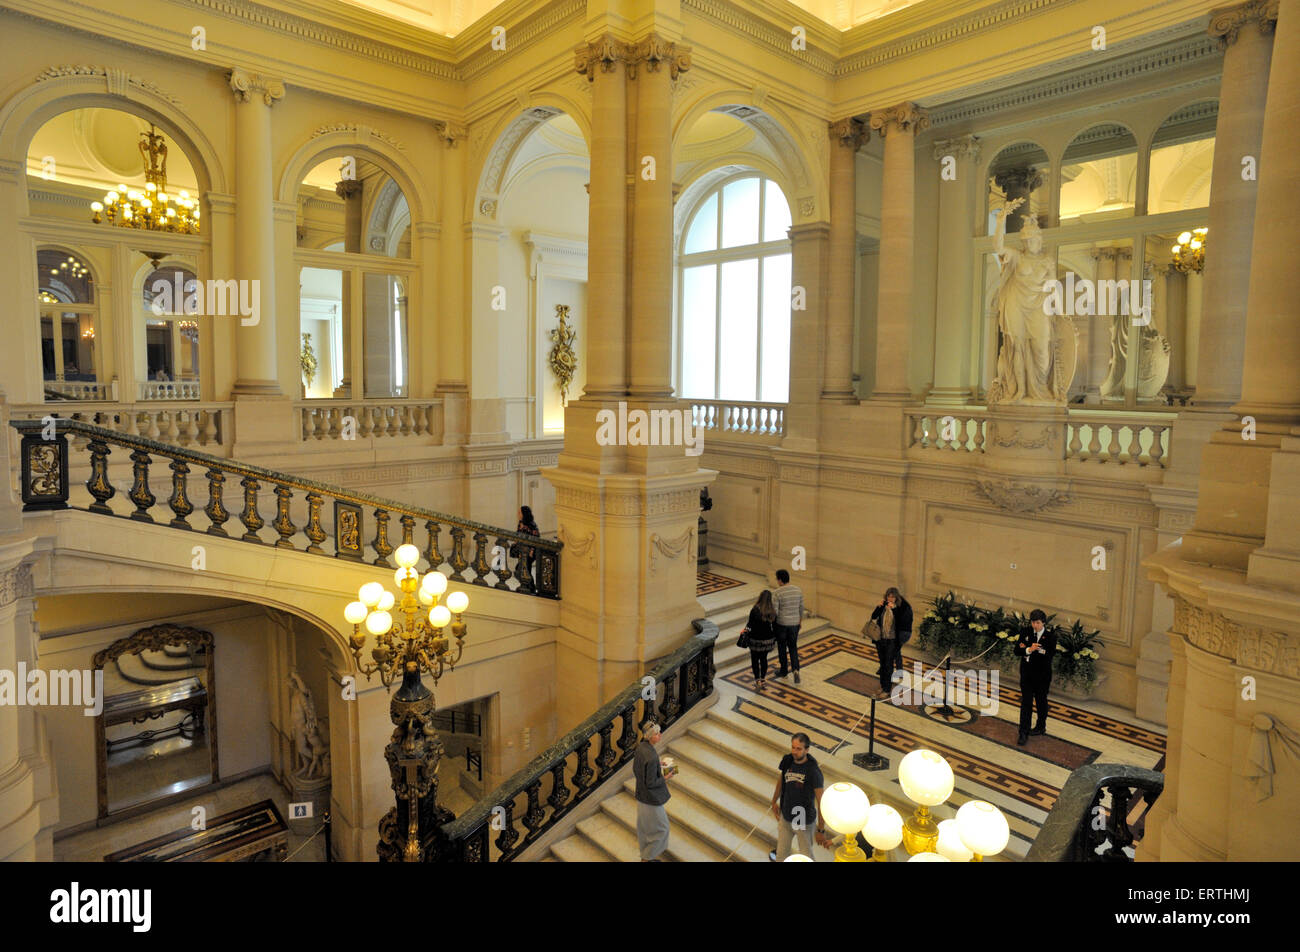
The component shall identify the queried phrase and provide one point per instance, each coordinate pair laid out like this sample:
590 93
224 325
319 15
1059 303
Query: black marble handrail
1070 833
44 482
687 677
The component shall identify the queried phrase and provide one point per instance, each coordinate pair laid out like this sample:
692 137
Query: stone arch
705 178
506 136
68 248
363 141
803 150
63 88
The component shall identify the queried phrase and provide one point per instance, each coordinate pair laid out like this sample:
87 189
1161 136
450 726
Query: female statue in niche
1036 349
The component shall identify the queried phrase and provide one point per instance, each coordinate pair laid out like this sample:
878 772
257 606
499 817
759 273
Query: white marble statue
1036 353
312 758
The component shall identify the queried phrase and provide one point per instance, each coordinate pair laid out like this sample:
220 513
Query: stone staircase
729 610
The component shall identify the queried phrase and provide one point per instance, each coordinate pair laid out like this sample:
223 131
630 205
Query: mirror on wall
347 203
1098 287
156 736
1099 175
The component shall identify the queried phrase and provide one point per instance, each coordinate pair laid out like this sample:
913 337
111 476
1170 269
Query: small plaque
300 811
347 531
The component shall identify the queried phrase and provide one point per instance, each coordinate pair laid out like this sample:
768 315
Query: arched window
173 300
734 294
68 309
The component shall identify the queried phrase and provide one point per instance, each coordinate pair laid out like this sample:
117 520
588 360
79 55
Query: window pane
776 214
323 328
699 313
703 235
739 339
63 278
740 213
776 329
384 335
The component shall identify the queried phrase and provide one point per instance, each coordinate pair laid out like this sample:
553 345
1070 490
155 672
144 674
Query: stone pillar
952 309
255 345
1192 296
899 125
1149 849
1099 345
837 385
657 64
350 190
452 354
809 254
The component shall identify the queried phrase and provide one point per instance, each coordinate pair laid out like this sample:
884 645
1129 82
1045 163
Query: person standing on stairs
762 636
651 795
789 616
798 794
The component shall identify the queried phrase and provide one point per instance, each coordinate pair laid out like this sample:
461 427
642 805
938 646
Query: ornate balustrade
934 428
762 421
1100 436
79 390
686 677
206 424
497 557
1071 833
167 390
356 419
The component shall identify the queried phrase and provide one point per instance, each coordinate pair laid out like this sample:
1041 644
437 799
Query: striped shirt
789 604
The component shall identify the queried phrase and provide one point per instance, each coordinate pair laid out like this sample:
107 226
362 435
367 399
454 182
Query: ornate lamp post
414 645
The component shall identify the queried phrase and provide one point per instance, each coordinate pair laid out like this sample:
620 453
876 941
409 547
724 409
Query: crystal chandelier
1189 253
153 209
189 330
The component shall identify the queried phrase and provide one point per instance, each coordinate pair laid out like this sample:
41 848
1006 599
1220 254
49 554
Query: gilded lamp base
920 832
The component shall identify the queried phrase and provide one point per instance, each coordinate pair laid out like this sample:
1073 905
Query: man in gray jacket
651 795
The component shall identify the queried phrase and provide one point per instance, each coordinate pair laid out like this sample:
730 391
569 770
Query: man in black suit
1035 650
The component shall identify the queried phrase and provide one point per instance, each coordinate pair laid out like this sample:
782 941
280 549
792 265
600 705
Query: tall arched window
734 294
69 313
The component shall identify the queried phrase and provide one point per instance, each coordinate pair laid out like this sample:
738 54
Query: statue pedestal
1026 439
315 790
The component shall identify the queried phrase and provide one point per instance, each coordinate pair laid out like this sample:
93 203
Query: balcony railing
687 678
56 391
1107 793
956 430
167 390
206 425
761 421
500 558
354 419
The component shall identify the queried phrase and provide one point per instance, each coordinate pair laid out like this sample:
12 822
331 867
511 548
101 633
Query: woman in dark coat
762 636
894 616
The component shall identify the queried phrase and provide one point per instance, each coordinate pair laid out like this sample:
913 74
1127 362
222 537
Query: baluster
534 815
173 433
481 564
209 427
501 568
431 553
408 529
582 774
98 484
315 532
408 424
394 419
131 427
179 502
334 415
1076 442
365 422
420 421
627 739
607 759
383 548
283 524
559 792
215 510
1094 441
509 835
979 435
781 421
152 431
140 494
1157 446
249 517
458 561
317 427
1135 444
524 569
671 705
1112 451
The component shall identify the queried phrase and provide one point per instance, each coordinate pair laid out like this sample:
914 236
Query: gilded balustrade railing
1090 821
686 677
491 556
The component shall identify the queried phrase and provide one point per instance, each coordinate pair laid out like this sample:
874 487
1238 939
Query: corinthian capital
963 147
452 133
849 133
1226 22
604 52
655 51
907 116
246 85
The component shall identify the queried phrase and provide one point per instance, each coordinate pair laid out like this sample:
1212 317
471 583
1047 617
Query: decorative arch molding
546 163
61 89
708 176
67 248
802 176
359 140
506 135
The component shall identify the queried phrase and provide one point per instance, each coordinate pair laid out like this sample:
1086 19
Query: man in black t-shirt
798 793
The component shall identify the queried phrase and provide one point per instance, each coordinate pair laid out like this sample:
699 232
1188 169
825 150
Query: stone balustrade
1123 439
758 421
962 431
355 419
167 390
206 425
81 389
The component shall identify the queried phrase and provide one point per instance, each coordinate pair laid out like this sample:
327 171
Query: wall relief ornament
15 584
962 147
849 133
1225 24
246 85
604 52
1250 646
907 116
1017 498
360 131
581 548
655 51
117 79
1046 438
670 548
562 359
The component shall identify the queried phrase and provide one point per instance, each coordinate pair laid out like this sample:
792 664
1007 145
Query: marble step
577 849
706 821
727 655
684 845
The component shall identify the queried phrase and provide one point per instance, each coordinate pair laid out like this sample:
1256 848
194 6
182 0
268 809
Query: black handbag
743 641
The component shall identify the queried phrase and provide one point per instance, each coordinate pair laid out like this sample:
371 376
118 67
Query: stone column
452 355
657 64
1099 345
837 385
899 125
255 345
952 309
809 254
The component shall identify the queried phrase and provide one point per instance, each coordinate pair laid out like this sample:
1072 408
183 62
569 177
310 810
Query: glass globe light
355 613
844 807
983 828
439 616
929 858
370 594
435 583
406 555
386 601
97 206
950 845
925 777
403 574
884 829
379 622
1185 237
457 602
798 858
425 598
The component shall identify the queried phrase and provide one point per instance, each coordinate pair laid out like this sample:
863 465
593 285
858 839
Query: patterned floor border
706 583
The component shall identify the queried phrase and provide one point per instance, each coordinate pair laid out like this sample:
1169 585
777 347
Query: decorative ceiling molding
523 34
744 21
117 80
359 131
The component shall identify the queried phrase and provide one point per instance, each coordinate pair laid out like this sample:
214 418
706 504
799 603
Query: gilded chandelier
416 645
1189 253
153 209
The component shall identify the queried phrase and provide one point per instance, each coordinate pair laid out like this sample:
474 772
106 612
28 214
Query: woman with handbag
890 628
526 554
760 636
